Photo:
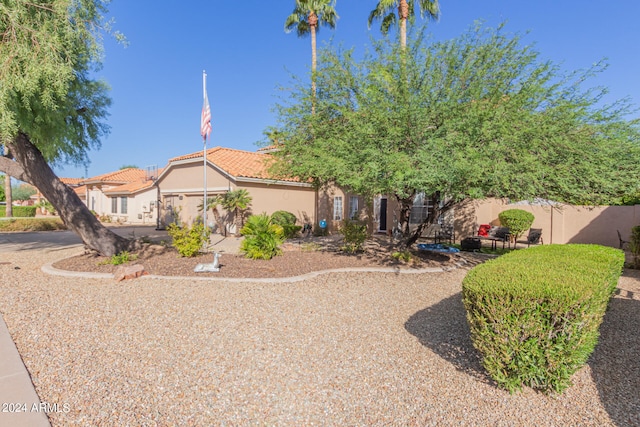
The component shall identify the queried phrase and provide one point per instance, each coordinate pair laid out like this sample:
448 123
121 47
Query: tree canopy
51 107
481 115
49 48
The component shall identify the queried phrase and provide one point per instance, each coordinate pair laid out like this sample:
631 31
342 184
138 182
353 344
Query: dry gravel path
354 349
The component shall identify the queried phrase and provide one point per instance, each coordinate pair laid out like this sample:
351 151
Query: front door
383 215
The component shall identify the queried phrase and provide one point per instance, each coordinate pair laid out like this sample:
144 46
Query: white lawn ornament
213 267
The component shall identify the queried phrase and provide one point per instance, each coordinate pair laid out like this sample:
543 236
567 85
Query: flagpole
204 153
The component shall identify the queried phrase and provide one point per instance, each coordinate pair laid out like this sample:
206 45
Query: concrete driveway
56 240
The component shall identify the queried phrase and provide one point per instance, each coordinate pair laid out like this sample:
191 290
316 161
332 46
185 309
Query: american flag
205 120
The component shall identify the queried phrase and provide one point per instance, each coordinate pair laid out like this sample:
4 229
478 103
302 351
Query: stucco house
125 196
180 187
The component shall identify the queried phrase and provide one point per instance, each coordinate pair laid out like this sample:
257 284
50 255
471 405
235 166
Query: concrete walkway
21 406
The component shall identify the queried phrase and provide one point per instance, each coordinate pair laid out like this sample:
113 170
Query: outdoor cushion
484 230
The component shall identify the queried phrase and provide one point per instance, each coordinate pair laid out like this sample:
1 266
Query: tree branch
13 169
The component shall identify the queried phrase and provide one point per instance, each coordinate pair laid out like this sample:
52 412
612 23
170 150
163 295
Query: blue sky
156 80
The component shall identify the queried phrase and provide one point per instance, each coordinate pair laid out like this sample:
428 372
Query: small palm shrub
516 220
354 235
262 238
188 241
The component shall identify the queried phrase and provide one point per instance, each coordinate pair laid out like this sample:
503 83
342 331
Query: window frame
338 208
353 207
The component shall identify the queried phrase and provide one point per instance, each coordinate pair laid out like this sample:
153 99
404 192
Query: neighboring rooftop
122 176
237 163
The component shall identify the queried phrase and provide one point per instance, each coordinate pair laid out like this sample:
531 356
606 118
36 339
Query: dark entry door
383 215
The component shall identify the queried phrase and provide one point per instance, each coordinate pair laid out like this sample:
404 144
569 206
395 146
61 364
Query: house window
422 206
353 207
114 205
420 209
123 205
337 208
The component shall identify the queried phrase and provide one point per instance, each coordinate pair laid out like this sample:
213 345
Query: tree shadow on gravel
615 363
443 328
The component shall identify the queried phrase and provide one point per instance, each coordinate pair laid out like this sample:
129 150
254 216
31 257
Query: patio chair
622 242
445 234
533 238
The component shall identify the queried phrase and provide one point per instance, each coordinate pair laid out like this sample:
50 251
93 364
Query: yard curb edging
51 270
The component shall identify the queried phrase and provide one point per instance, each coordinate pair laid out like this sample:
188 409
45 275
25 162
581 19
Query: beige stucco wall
560 223
326 203
269 198
181 188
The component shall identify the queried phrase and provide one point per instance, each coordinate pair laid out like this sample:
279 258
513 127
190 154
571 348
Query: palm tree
384 10
306 18
212 203
237 201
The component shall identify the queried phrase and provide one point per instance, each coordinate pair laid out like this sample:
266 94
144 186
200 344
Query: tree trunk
8 196
237 217
216 216
313 61
403 14
72 211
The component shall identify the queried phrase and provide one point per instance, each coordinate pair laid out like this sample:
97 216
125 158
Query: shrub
262 238
402 256
188 241
534 315
283 218
19 211
634 245
516 220
32 224
291 231
287 220
354 234
121 258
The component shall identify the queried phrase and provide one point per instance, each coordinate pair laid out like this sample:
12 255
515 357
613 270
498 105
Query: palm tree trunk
313 69
403 14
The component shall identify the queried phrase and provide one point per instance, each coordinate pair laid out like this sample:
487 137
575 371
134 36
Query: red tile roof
72 182
123 176
130 188
238 163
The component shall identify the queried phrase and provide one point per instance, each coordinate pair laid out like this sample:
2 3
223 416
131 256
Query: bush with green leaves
534 315
354 235
287 220
188 241
19 211
283 218
121 258
262 238
516 220
32 224
634 245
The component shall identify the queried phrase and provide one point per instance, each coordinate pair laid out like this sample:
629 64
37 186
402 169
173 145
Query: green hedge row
534 314
19 211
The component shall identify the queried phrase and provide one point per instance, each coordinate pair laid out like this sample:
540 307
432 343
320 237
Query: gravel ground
339 349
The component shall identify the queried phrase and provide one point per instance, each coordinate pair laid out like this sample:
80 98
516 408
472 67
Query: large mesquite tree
473 117
51 109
